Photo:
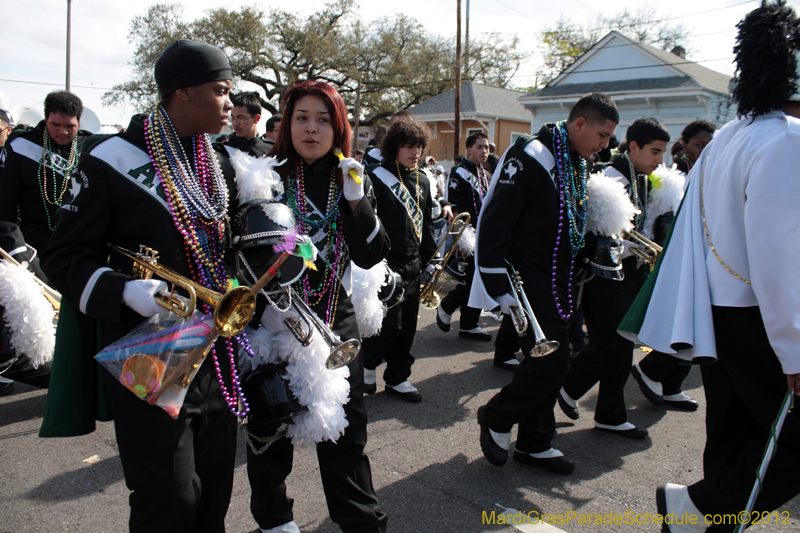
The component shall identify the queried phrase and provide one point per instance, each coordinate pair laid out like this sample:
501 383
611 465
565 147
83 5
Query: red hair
342 134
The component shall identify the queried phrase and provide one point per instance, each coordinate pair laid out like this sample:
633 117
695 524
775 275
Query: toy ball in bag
142 374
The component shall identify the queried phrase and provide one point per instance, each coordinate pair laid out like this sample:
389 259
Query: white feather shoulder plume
467 241
28 314
370 311
609 209
256 178
665 195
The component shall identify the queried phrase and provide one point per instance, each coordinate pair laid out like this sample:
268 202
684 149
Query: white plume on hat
609 210
256 178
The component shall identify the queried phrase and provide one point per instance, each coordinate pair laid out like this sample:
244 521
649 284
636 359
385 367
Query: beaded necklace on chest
198 200
689 162
416 220
483 185
572 205
639 200
51 159
333 243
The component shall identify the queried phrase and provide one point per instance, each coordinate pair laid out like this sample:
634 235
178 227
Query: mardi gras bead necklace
639 201
572 204
52 159
689 162
333 243
416 219
198 201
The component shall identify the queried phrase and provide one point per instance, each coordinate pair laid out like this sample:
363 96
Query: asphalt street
426 460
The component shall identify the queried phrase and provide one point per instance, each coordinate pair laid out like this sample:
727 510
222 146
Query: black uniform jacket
255 146
394 215
520 221
21 200
365 237
116 198
461 194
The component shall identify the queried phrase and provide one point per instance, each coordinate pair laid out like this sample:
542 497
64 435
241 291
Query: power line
520 12
637 67
57 84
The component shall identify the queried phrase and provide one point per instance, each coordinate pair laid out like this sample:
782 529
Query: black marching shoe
556 465
370 388
685 402
661 507
506 362
491 450
636 433
571 412
478 334
405 391
649 393
6 388
444 326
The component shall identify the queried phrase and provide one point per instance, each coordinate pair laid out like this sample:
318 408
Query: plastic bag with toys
160 357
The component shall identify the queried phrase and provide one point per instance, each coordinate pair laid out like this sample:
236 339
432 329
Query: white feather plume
28 314
324 392
256 178
664 197
467 241
370 311
609 210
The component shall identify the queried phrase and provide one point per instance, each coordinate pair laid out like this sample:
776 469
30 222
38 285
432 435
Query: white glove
352 191
139 295
273 320
506 301
626 248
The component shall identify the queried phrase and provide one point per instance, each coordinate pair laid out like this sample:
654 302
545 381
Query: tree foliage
567 41
399 63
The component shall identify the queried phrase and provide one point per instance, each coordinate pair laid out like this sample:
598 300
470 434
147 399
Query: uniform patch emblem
511 167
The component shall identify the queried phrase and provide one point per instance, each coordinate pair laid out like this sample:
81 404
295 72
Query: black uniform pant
394 342
506 344
344 468
22 370
530 397
179 471
608 356
665 369
458 298
744 390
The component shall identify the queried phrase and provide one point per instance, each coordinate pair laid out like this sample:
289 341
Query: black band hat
187 63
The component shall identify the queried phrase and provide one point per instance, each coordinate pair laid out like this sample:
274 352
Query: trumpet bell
430 300
544 348
343 354
233 311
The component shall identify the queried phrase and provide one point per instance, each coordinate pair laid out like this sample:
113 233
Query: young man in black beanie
161 184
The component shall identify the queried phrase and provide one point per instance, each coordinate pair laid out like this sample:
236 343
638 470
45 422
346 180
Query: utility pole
356 115
466 38
458 80
69 34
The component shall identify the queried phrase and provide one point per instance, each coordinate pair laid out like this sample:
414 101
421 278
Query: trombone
432 292
522 316
647 251
52 295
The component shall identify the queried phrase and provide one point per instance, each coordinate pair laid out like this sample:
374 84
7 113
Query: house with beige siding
494 111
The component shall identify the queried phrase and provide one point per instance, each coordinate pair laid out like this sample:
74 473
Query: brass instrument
522 316
646 249
434 289
232 310
303 325
52 295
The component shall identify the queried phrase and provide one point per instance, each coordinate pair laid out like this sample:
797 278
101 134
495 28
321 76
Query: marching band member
726 289
608 356
163 184
335 210
535 216
695 136
405 203
38 164
467 188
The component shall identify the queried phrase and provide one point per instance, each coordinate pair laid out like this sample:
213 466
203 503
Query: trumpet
522 316
646 250
232 310
306 321
52 295
432 291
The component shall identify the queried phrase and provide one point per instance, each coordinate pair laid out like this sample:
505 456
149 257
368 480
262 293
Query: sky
33 58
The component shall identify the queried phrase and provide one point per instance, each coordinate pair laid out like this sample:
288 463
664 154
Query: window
515 135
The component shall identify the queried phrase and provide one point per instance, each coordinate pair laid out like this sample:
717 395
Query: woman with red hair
333 209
